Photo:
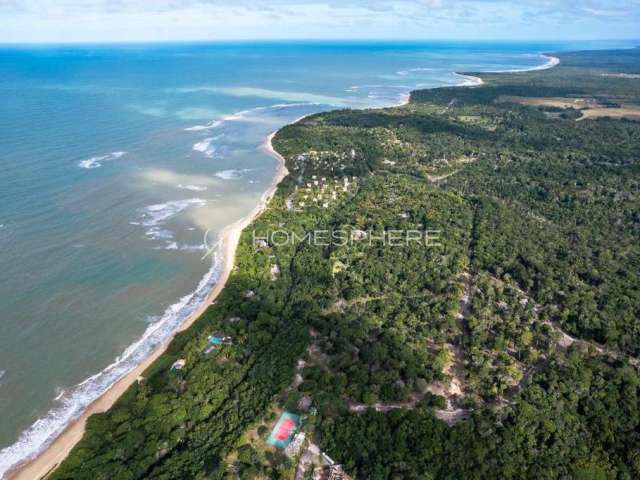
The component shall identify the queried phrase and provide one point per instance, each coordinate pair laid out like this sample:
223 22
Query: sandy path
49 459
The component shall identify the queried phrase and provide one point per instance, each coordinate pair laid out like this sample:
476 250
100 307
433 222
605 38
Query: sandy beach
473 81
469 80
551 62
45 463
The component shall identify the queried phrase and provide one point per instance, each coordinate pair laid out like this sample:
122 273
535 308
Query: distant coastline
50 458
475 81
552 61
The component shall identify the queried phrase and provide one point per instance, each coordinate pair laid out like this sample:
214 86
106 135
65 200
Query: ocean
115 163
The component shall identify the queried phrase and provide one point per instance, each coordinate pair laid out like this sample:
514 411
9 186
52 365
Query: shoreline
45 462
54 454
475 81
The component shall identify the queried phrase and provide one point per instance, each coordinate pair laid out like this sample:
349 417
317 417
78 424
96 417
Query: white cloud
605 13
132 20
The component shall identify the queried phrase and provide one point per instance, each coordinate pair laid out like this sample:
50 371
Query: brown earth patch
630 113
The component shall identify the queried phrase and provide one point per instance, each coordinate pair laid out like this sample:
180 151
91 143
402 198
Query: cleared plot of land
557 102
631 113
589 107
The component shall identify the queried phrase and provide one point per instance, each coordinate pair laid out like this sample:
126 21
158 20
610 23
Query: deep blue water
114 161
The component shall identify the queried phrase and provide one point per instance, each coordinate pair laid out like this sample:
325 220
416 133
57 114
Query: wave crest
96 162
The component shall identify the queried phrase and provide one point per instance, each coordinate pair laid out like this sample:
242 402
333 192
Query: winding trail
439 178
452 390
566 341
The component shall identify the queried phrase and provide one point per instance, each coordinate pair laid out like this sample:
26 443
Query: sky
175 20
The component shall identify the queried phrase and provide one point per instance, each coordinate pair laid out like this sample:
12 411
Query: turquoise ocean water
114 162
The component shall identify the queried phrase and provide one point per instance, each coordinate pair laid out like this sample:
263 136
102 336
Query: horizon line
302 40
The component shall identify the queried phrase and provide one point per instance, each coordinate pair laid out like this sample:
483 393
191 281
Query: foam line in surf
233 174
193 188
244 114
155 216
96 162
182 248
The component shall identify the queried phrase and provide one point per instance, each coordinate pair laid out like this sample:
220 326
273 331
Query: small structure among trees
330 472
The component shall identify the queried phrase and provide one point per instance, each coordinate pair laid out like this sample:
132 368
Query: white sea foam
96 162
193 188
381 96
404 73
192 248
379 87
287 96
60 393
209 126
70 404
229 174
159 213
157 233
182 248
154 216
247 115
233 174
204 146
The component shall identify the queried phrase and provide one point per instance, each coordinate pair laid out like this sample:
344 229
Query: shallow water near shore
115 161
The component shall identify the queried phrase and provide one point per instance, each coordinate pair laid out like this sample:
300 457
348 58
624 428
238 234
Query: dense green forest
505 347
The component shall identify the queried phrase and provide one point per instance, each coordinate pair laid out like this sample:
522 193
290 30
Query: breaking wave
155 216
96 162
193 188
204 146
183 248
233 174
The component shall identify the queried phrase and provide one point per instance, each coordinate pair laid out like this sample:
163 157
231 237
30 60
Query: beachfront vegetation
517 324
